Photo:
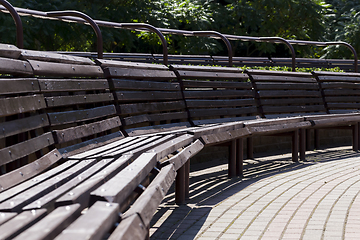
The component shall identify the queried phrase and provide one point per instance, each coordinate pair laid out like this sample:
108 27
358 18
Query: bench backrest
287 94
340 90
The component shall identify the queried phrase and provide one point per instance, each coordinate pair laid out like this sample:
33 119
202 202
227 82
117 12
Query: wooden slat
148 96
194 113
342 92
341 85
19 85
292 109
138 73
144 85
117 189
6 216
57 85
211 75
51 225
218 94
16 203
65 70
86 130
216 84
176 127
219 103
339 99
9 51
59 118
287 93
137 108
293 101
280 78
25 148
11 192
288 86
184 155
24 173
154 117
23 125
149 200
109 63
344 105
274 129
227 136
339 78
78 99
54 57
132 228
15 67
207 68
207 130
10 106
81 193
94 224
17 224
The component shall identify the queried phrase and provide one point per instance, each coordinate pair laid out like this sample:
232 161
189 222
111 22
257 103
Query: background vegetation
327 20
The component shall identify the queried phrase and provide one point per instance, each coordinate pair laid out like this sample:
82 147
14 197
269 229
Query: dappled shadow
209 185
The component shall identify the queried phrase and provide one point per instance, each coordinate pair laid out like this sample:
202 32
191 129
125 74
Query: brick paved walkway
277 199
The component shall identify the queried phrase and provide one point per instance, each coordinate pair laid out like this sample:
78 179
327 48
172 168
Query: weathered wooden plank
16 105
81 193
220 103
54 57
335 121
207 130
94 224
274 129
217 84
65 70
344 105
70 85
340 99
207 68
11 192
137 108
149 200
138 73
171 146
336 74
17 224
342 92
118 188
212 75
184 155
59 118
282 78
287 93
24 173
218 94
23 125
340 85
215 112
6 216
19 85
177 127
25 148
154 117
132 228
51 225
340 78
86 130
78 99
15 67
144 85
147 96
222 137
9 51
288 86
294 101
292 109
16 203
110 63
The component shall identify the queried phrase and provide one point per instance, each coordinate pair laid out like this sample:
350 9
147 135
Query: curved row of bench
89 149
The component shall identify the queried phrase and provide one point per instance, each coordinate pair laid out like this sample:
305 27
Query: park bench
86 140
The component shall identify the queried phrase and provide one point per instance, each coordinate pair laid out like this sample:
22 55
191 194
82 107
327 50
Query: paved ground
276 199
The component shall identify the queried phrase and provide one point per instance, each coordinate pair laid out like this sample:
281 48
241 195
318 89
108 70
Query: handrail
18 23
87 19
323 44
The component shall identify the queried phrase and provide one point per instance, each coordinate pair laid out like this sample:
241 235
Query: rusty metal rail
84 19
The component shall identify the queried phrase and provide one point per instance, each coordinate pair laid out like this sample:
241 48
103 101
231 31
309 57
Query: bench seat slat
16 105
154 117
193 94
54 57
294 101
288 94
17 224
294 79
15 67
52 224
6 216
9 51
138 73
147 96
70 85
212 75
216 84
151 107
290 86
31 169
340 85
25 148
293 109
19 85
222 111
144 85
16 203
81 193
219 103
94 224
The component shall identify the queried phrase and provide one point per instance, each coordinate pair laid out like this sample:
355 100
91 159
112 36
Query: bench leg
302 144
250 148
187 178
232 159
355 132
180 186
239 157
295 146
